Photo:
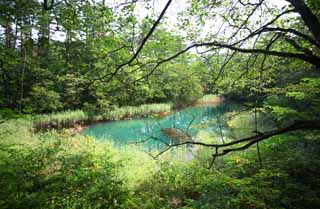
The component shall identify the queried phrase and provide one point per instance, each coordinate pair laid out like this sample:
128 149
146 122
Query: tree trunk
8 32
308 17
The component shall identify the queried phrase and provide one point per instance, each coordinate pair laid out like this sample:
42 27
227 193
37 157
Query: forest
158 104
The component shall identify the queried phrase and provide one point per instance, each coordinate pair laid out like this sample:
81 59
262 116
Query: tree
83 54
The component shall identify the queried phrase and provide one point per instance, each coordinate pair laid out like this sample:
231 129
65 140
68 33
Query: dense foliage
69 63
63 58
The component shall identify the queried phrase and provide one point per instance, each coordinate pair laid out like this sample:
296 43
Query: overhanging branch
311 20
312 59
248 141
141 45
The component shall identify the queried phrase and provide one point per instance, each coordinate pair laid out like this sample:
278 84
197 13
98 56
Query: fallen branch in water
245 143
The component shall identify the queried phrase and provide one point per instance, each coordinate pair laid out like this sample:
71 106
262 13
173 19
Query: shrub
59 174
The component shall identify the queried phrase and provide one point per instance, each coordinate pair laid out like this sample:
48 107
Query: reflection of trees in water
179 130
183 128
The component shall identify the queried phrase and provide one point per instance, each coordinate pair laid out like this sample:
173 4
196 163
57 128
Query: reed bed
69 118
210 99
138 111
60 119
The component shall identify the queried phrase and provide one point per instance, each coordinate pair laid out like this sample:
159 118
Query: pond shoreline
180 126
77 127
207 102
71 118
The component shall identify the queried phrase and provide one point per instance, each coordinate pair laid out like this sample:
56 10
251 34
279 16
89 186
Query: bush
59 174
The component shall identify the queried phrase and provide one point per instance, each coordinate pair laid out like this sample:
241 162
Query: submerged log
177 134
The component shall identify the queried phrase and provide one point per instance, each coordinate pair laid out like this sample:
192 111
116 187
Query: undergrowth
51 170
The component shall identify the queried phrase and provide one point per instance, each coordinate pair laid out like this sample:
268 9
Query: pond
185 123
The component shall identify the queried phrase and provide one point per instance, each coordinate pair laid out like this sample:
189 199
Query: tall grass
210 99
138 111
70 117
60 119
16 131
60 173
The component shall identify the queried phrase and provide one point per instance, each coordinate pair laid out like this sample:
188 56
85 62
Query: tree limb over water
136 54
310 35
290 35
245 143
306 42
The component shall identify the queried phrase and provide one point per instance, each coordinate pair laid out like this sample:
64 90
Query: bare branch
256 6
295 32
213 158
249 3
311 20
225 63
228 147
247 62
261 29
314 60
141 45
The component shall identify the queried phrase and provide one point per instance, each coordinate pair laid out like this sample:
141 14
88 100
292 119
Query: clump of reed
210 99
60 119
128 112
69 118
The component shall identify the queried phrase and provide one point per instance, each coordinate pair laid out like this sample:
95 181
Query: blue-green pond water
130 131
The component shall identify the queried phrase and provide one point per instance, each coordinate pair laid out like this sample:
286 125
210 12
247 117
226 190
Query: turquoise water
130 131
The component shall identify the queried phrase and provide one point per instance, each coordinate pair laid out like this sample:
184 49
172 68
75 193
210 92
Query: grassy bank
69 118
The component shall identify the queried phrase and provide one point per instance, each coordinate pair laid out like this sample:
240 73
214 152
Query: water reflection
191 119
